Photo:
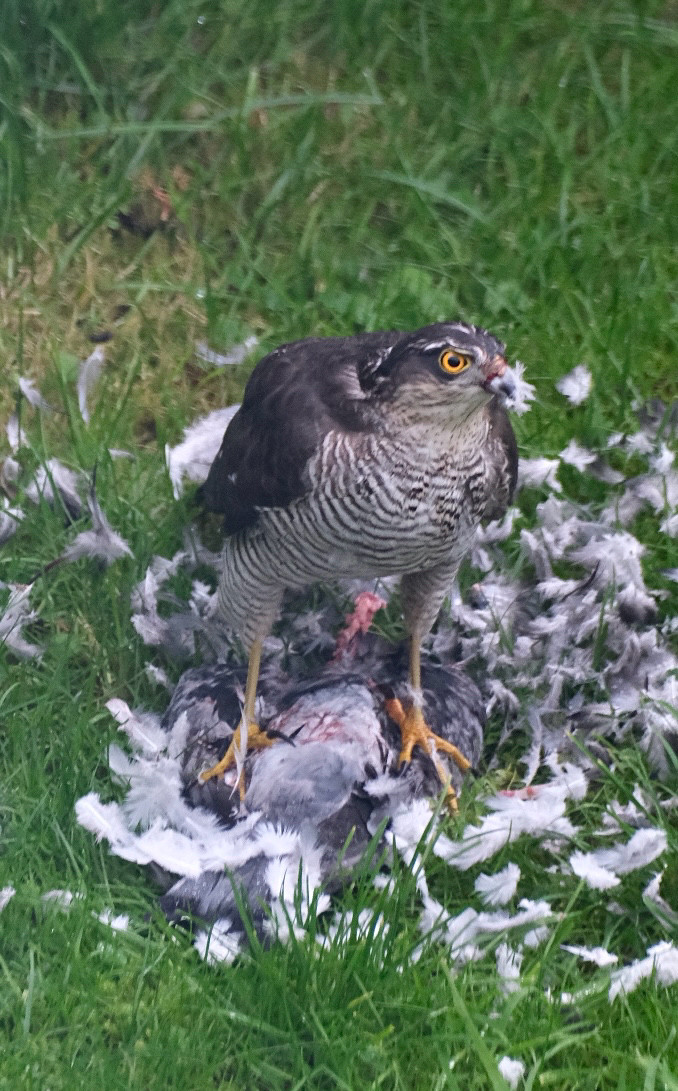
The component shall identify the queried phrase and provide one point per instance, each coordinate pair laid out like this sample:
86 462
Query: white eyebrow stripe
428 346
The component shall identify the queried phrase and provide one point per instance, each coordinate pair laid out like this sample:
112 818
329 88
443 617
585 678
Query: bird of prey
366 456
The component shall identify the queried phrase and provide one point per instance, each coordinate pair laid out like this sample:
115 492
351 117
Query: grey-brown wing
294 397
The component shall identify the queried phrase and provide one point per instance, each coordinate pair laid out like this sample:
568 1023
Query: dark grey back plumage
294 397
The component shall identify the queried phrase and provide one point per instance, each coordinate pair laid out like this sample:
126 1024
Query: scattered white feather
16 437
635 603
601 869
554 588
172 850
639 443
144 596
153 630
107 821
203 602
409 824
10 518
10 470
154 794
533 473
63 898
498 530
116 922
663 460
600 469
461 932
536 936
293 881
6 895
577 456
651 891
236 356
651 894
89 372
576 385
277 843
232 848
158 676
642 848
533 546
433 917
13 619
359 925
661 960
32 394
142 728
101 542
600 956
498 889
195 454
614 557
512 1071
585 866
626 814
670 526
524 392
502 697
529 912
541 814
220 944
54 479
282 925
509 962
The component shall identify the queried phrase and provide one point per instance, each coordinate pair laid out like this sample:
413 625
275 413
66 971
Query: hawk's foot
416 732
256 740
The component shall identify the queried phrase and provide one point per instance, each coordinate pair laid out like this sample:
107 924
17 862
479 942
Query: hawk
366 456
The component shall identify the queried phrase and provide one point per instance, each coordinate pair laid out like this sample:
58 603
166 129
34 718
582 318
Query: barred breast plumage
397 485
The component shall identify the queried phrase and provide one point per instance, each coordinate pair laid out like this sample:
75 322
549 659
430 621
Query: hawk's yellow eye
453 362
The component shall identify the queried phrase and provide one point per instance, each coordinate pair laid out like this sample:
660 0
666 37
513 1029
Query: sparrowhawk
366 456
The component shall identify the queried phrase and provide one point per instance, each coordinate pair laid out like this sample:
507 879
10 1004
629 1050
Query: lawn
201 171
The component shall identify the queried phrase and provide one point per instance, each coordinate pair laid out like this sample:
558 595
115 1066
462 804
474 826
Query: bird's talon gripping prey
256 740
415 732
361 457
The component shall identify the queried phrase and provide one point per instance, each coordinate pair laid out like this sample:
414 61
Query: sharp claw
416 732
256 740
219 768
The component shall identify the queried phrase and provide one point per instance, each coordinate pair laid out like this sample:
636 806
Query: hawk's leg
255 738
416 732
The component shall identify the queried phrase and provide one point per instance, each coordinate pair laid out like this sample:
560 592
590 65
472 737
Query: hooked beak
498 378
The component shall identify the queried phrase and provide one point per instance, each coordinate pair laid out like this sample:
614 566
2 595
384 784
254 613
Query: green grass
330 168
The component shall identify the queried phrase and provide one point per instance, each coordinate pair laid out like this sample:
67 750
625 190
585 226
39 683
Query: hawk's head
450 365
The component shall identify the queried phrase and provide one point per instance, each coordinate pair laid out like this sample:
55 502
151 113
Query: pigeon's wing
502 455
294 397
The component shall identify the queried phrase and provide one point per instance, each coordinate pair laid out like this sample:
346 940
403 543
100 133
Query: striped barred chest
379 506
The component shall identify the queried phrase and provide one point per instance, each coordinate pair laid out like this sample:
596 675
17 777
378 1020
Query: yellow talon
256 740
416 732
